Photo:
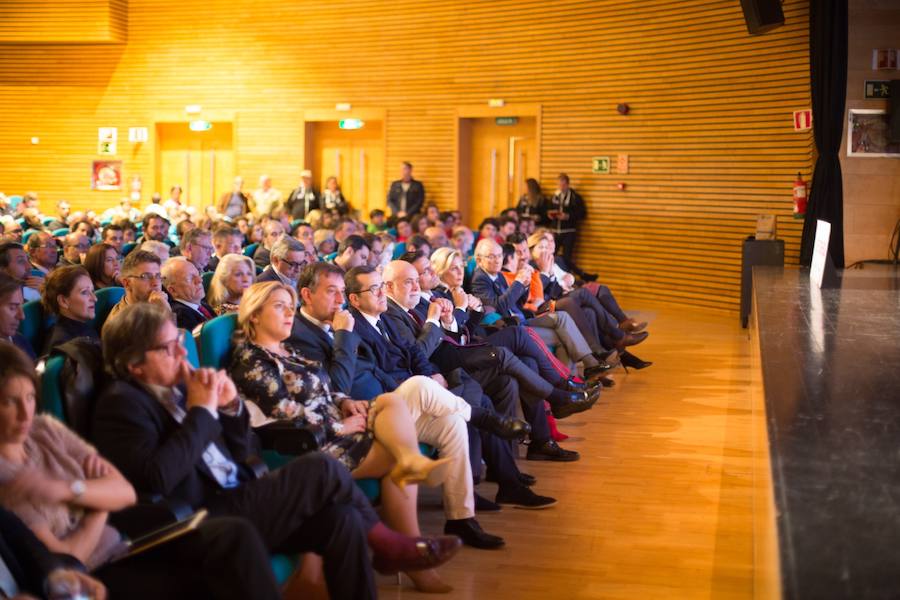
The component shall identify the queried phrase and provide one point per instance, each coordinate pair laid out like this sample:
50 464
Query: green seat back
250 250
28 234
32 326
106 299
207 279
190 345
127 248
215 340
283 566
62 231
51 396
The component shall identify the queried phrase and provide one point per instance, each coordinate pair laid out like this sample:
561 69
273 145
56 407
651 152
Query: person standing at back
406 195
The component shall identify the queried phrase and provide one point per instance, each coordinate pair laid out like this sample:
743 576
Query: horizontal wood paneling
709 135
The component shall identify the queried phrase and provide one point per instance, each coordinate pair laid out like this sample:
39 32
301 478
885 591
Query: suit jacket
338 356
188 318
573 205
66 329
269 274
388 363
156 453
468 321
427 337
505 298
262 256
300 202
27 558
415 196
246 200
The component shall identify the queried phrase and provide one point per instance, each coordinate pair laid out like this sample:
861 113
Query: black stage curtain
828 82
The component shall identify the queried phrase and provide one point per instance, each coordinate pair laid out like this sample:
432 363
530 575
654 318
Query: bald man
437 237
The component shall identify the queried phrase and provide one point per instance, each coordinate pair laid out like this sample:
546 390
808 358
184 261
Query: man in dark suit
186 435
287 258
406 195
272 232
225 240
303 198
185 286
196 246
392 358
323 330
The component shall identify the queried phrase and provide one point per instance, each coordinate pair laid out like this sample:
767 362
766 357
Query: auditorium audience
186 295
14 263
69 296
75 246
43 252
196 246
231 278
353 252
288 257
225 240
186 435
155 227
272 232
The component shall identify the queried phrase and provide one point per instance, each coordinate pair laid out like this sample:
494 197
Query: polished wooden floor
660 504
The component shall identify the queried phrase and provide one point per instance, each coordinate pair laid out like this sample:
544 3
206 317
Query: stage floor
660 504
831 369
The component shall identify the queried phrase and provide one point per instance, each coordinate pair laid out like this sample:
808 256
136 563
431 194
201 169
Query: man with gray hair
185 286
272 232
287 258
196 246
75 247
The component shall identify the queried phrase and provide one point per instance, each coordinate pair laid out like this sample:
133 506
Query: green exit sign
506 120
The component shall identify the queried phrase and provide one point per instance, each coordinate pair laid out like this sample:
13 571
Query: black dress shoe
523 497
550 450
607 382
579 402
430 552
524 479
506 428
471 534
527 479
573 386
629 360
482 504
597 371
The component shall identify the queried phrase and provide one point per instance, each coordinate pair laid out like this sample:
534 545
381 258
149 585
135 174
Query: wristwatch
78 488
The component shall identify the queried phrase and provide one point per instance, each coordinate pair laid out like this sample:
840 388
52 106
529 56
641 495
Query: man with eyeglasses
185 287
142 280
288 257
43 252
12 230
75 247
196 246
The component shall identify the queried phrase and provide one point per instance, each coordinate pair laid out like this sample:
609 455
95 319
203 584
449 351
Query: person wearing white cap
304 198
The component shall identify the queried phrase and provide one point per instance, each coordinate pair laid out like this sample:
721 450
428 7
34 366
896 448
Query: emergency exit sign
506 120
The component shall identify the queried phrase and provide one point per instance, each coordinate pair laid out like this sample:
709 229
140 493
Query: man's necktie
415 317
204 311
380 327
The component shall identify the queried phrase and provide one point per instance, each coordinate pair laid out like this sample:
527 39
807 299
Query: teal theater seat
127 248
106 299
51 396
33 326
61 232
207 279
190 346
251 249
215 340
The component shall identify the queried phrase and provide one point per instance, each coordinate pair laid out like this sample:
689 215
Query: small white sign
106 140
137 135
820 252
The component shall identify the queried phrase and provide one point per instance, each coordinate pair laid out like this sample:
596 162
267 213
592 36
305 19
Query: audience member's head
406 171
508 226
365 290
462 239
75 247
432 213
141 342
183 227
345 228
526 225
321 286
69 293
376 248
11 302
18 390
488 228
418 243
401 283
266 314
141 276
272 232
114 235
303 233
14 261
160 249
12 230
533 192
377 218
353 252
288 257
428 279
404 229
227 240
448 267
43 250
183 280
489 256
234 274
197 247
436 236
84 227
520 243
419 223
323 241
155 227
563 181
510 258
103 265
63 209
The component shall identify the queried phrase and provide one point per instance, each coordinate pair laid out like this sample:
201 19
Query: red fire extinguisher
799 197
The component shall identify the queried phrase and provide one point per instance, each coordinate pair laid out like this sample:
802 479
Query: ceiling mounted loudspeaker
762 15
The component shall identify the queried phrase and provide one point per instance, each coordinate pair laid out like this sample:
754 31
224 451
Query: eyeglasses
491 256
292 264
203 247
147 277
375 290
47 246
170 347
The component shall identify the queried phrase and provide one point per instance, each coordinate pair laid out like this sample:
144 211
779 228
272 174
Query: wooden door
201 162
355 157
494 160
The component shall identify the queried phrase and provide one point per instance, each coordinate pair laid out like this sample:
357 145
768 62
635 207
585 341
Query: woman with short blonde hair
234 274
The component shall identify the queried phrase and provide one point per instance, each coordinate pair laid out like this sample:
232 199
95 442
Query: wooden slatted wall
709 135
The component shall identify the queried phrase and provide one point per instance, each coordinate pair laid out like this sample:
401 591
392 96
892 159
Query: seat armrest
151 512
290 437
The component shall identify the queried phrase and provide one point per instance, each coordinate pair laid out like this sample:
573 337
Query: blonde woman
234 274
375 439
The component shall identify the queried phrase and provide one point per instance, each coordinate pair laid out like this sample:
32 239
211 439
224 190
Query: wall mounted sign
884 59
106 175
106 140
802 119
878 88
506 120
600 165
137 135
622 164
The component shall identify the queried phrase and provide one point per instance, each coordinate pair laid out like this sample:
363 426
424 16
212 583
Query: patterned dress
295 388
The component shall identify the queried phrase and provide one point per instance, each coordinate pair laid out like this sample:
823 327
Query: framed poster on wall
106 175
867 134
